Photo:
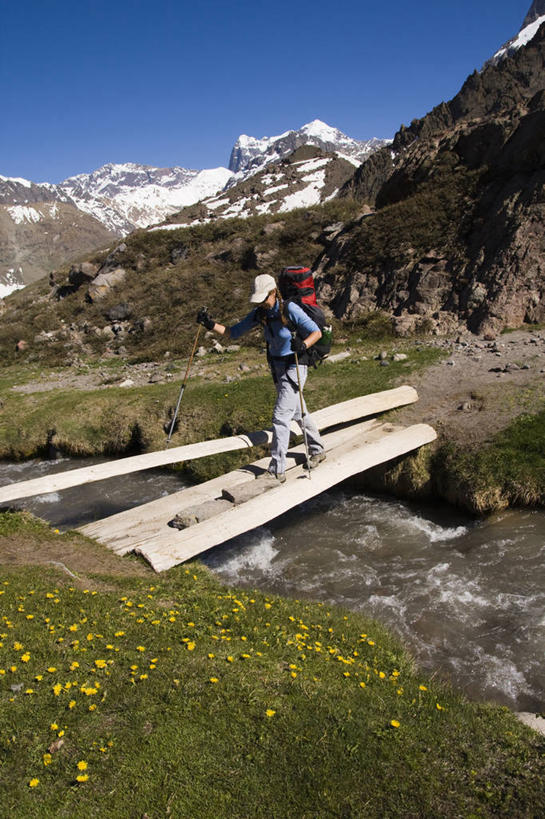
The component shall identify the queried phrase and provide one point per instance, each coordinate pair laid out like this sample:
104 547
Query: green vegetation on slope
170 274
173 695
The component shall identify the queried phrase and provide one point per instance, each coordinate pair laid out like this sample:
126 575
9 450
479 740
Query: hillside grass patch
176 695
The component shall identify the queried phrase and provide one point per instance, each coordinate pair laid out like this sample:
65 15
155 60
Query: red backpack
297 284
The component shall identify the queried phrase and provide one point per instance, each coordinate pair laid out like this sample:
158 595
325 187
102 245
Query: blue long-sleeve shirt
276 334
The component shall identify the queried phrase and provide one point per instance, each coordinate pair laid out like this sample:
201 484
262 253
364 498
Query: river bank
484 397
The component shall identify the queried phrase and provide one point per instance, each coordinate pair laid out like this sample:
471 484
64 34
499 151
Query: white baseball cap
263 284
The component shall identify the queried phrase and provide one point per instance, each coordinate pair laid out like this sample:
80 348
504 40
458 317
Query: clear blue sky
173 82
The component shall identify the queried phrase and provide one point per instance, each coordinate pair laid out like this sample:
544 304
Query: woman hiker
281 347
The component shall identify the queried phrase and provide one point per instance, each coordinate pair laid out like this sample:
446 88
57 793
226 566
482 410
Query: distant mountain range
43 225
93 209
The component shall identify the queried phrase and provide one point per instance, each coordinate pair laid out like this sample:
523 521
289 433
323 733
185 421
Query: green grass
510 470
178 696
121 420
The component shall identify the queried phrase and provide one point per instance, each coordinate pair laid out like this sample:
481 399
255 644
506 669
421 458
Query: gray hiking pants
286 410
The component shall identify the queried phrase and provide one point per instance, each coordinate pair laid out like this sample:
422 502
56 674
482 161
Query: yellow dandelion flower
211 656
370 642
57 688
34 783
143 676
213 680
362 684
47 758
140 648
25 657
54 726
230 659
51 669
439 707
73 627
270 712
422 688
60 733
293 674
191 646
100 663
72 704
82 778
394 723
92 707
82 765
39 677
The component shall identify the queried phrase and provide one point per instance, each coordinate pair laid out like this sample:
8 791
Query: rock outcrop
457 234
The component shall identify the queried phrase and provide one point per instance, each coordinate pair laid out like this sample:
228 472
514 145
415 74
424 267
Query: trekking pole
302 414
183 385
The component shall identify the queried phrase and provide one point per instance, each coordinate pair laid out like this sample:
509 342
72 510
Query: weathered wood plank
169 547
344 412
119 531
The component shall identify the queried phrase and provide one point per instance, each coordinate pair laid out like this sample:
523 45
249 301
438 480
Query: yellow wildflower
82 778
394 723
422 688
82 765
270 712
34 783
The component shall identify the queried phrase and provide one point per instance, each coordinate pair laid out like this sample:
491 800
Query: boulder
82 273
120 312
101 286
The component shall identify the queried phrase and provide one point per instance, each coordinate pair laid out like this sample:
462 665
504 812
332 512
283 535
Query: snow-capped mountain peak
250 154
528 30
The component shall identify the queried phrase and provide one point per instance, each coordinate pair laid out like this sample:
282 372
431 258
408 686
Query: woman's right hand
204 319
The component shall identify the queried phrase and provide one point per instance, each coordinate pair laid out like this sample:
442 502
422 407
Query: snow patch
23 213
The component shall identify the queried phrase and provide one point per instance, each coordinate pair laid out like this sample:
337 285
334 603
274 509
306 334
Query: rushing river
467 597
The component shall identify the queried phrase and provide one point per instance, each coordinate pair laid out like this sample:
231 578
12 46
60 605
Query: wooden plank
344 412
170 547
119 531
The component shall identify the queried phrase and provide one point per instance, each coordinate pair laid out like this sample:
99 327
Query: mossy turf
173 695
508 471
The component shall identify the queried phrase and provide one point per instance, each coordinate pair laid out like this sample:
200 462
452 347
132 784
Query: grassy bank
507 471
118 420
172 695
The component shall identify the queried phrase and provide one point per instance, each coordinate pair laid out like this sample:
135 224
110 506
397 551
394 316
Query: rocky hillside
457 228
35 239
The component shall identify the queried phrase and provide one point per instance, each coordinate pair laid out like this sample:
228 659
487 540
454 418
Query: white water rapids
467 597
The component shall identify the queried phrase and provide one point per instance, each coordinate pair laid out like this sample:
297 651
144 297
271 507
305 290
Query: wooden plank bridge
181 526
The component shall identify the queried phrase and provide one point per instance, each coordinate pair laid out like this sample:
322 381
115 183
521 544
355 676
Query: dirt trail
481 386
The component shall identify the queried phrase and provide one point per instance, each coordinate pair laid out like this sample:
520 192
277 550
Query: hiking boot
315 459
273 477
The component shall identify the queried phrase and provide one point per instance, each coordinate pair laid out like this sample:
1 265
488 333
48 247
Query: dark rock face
458 232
